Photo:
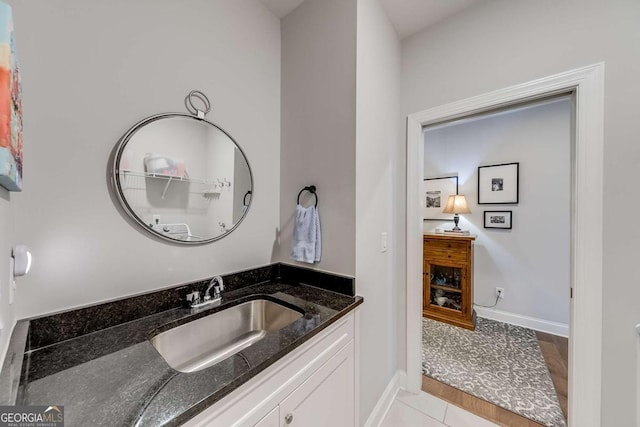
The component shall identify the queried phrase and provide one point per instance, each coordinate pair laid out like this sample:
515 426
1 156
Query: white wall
7 318
377 128
530 261
353 167
92 69
496 44
318 125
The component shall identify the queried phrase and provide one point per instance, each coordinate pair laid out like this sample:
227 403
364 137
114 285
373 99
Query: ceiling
410 16
407 16
281 8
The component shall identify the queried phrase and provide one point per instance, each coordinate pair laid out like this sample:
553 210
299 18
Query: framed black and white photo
497 219
435 193
498 184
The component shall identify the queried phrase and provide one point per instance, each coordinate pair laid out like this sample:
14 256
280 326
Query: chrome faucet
217 285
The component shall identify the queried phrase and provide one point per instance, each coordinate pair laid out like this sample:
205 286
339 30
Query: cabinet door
446 288
271 419
326 398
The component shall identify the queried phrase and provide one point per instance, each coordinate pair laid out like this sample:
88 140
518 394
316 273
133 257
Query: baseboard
638 375
384 403
554 328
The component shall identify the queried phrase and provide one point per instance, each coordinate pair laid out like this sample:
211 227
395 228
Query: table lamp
456 204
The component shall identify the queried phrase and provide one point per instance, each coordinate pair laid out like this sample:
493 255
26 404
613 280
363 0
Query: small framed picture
435 193
498 184
497 219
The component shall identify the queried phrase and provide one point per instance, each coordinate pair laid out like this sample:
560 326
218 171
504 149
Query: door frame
585 322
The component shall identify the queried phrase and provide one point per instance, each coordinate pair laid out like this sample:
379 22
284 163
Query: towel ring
311 189
244 199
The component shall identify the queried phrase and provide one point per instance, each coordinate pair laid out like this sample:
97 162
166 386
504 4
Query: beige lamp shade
456 204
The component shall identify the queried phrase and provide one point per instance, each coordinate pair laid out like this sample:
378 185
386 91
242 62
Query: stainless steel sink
204 342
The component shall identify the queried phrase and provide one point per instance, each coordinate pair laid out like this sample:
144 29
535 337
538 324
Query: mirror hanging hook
188 102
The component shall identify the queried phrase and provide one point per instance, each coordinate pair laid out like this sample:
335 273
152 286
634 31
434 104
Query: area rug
498 362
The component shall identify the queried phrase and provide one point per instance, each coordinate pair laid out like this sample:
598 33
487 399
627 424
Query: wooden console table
447 279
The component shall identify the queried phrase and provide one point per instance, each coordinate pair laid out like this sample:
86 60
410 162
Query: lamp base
456 229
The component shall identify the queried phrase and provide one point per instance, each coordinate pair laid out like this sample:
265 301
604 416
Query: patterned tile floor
425 410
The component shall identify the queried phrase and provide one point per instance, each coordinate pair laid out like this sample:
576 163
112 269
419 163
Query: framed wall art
435 193
498 219
10 106
498 184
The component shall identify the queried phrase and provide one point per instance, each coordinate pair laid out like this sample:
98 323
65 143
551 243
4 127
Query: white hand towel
318 251
307 242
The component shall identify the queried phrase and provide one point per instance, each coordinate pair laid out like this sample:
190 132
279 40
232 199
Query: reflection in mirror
182 178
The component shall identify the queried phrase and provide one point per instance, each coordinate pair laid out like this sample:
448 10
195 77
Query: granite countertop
115 376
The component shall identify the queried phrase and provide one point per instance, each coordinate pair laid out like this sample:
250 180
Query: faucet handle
193 297
220 284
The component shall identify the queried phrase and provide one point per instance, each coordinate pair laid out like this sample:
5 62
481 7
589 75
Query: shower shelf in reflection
163 176
211 193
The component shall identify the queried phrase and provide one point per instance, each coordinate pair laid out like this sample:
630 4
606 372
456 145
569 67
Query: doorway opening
585 318
513 173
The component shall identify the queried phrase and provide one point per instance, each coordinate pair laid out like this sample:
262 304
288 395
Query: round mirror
182 178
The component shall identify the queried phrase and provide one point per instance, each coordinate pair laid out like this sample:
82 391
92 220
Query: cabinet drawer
440 254
445 244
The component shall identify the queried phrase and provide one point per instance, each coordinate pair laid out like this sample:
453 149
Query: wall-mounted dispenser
20 265
21 260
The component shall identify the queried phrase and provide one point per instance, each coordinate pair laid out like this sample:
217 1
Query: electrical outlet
500 292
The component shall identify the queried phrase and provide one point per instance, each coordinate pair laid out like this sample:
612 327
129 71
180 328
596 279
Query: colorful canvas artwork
10 106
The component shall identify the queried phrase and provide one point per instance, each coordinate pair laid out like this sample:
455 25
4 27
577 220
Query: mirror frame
115 177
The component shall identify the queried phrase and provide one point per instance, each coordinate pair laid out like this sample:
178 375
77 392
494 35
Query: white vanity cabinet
314 385
272 419
326 398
